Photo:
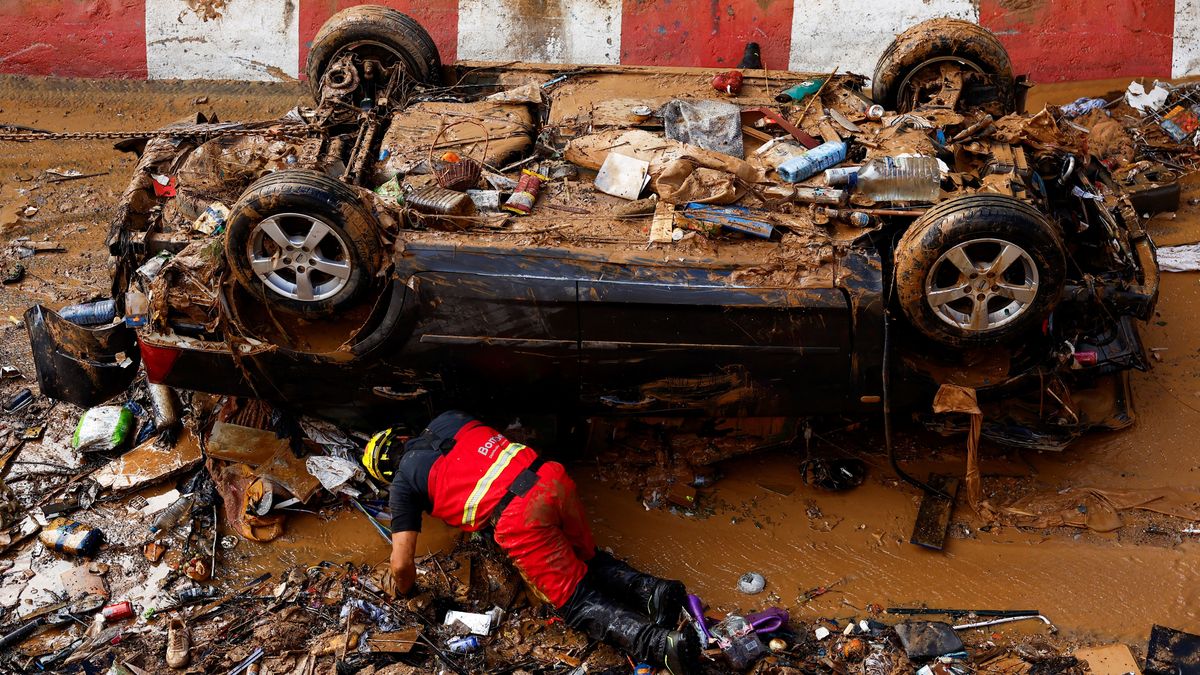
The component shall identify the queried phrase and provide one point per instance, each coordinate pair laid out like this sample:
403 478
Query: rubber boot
588 610
660 599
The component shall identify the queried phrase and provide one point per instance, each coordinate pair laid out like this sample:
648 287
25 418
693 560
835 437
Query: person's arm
404 565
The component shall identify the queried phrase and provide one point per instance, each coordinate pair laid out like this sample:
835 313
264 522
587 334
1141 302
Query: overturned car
620 241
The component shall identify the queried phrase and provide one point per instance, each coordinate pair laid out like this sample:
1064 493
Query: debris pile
247 241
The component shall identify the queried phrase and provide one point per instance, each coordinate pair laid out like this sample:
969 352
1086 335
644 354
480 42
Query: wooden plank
663 224
394 642
933 517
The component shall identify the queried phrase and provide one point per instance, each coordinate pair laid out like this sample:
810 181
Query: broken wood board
244 445
1109 660
933 517
148 464
663 224
289 472
394 642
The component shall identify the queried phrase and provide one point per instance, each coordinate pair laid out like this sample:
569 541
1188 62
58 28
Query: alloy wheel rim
982 285
299 257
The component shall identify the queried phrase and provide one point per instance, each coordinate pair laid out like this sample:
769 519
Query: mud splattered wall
269 39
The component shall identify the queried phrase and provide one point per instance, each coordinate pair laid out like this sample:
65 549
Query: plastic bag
336 473
712 125
102 429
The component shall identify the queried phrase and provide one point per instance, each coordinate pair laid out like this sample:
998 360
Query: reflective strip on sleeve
481 488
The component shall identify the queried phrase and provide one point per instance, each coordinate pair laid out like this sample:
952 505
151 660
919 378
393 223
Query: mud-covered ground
759 516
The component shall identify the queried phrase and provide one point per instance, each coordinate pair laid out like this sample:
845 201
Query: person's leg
530 531
660 599
571 513
594 613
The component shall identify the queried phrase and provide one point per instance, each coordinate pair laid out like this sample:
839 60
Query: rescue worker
471 476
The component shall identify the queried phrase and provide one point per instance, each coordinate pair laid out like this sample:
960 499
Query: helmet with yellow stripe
383 454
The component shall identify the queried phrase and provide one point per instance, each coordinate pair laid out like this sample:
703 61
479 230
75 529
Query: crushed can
64 535
117 612
463 645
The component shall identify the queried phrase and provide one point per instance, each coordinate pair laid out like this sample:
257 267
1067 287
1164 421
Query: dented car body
329 292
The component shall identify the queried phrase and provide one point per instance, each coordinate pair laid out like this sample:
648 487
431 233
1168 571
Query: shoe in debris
178 645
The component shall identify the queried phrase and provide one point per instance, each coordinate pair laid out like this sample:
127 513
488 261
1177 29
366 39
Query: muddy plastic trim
81 365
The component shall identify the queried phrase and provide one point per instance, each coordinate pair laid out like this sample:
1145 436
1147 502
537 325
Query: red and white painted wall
269 39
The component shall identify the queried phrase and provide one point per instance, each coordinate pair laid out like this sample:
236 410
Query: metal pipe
1007 619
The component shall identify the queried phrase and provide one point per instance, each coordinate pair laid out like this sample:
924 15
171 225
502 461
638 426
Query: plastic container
70 537
90 313
137 309
776 151
899 179
800 91
463 645
437 201
824 156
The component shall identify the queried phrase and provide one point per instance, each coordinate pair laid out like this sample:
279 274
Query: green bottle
798 92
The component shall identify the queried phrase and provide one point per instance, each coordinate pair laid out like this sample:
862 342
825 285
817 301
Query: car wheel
301 241
979 270
372 32
919 53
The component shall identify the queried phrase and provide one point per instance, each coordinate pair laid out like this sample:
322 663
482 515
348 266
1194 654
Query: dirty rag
952 398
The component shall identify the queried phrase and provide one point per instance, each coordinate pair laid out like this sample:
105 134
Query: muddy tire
936 41
979 270
302 242
374 32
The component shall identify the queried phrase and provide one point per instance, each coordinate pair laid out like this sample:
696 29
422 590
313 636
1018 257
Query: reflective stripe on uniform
481 488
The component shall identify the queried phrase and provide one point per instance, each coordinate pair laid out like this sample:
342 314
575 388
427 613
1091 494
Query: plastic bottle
840 175
90 313
822 157
798 92
899 179
172 514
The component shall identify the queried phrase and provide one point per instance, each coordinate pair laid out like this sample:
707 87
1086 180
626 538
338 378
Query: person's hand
403 563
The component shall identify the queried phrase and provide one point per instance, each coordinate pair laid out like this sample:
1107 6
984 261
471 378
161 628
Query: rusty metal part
205 131
749 115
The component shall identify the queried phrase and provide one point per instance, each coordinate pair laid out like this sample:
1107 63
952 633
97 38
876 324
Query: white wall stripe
257 40
569 31
1185 61
851 34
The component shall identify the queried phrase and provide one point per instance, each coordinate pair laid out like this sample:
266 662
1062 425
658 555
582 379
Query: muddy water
1101 586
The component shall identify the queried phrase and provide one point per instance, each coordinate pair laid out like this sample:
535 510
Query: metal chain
188 132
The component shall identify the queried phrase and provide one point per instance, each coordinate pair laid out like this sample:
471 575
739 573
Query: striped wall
269 39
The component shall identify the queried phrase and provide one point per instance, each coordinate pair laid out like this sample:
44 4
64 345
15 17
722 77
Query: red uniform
543 531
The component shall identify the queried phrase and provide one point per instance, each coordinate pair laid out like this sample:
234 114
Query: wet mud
759 516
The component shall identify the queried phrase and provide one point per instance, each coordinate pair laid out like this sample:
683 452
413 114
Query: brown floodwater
1095 587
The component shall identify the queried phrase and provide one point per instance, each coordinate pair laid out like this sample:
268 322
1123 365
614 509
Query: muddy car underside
318 261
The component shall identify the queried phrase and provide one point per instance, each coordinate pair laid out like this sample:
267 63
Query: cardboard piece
1109 660
244 445
291 473
148 464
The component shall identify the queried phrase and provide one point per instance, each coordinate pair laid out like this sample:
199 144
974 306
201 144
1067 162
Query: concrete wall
269 39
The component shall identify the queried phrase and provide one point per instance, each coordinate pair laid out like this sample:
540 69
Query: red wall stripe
1055 40
73 38
711 33
439 17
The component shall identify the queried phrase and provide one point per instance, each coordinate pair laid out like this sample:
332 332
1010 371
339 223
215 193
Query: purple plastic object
696 609
769 620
